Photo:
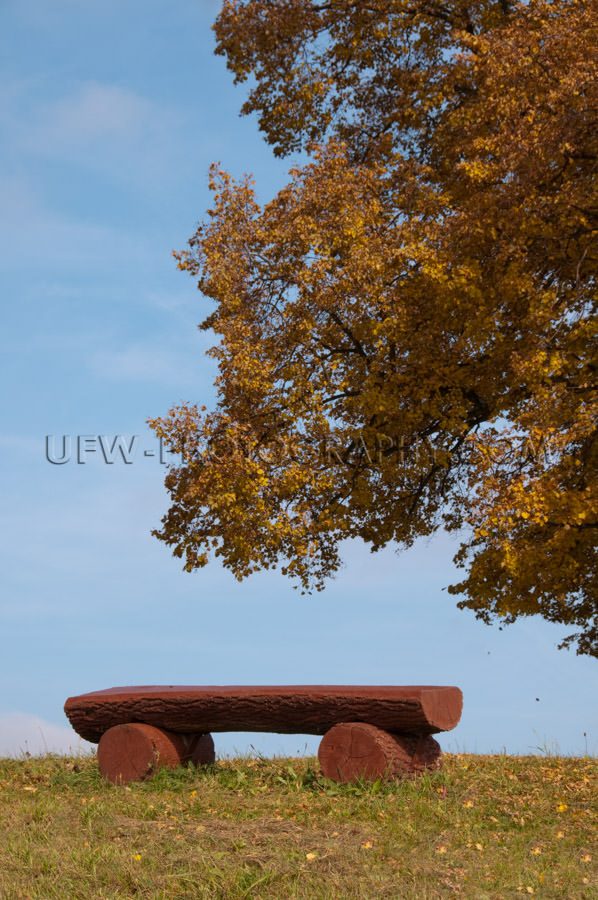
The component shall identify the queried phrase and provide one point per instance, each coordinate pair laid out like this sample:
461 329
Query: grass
485 827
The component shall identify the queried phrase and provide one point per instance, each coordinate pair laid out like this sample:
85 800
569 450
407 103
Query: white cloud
20 445
22 733
61 240
95 111
147 362
96 126
138 362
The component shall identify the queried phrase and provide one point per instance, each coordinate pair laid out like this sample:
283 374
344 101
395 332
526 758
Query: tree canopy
407 332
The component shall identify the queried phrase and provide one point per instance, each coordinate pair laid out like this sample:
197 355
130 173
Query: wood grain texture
282 709
134 752
352 750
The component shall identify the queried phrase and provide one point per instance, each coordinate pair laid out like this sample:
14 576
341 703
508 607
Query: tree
407 331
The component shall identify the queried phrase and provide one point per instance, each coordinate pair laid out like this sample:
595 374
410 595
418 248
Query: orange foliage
408 330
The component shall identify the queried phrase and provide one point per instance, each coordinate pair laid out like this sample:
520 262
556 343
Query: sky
110 116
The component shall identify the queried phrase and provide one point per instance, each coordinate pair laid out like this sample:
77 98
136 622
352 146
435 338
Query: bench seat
378 728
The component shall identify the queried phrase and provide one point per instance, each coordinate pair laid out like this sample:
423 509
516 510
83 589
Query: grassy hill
485 827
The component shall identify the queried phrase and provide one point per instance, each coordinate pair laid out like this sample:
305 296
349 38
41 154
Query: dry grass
485 827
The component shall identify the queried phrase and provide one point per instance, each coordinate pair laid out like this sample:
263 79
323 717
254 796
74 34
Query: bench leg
353 750
135 751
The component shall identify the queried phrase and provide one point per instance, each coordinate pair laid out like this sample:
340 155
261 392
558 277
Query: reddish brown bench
368 731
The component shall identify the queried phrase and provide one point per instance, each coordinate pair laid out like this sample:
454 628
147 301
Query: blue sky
110 116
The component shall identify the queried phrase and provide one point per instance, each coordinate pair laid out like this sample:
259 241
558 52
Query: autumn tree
407 331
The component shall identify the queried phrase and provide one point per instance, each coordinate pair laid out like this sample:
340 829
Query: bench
368 731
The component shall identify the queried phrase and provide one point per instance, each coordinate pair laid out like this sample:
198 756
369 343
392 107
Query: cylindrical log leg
199 749
353 750
135 751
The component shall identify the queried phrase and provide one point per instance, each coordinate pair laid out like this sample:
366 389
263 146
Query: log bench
367 731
